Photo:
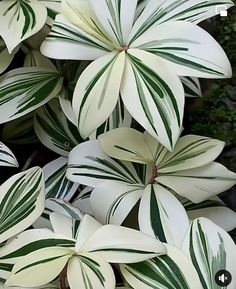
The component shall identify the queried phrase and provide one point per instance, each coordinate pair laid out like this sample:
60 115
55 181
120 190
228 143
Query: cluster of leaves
92 69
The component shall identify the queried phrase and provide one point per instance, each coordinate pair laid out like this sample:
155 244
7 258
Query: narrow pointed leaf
97 91
56 184
201 183
24 89
171 271
162 216
192 87
147 92
21 202
187 49
82 201
19 20
89 165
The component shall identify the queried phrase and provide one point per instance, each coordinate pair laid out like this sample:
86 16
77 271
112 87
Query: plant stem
63 284
154 174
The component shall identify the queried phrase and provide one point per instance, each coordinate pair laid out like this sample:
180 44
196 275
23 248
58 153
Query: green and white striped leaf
19 20
47 286
89 165
116 17
27 242
65 226
65 37
147 92
112 201
21 202
7 158
53 8
97 92
120 117
22 90
127 144
191 151
56 184
199 184
140 7
157 12
20 130
192 87
213 209
187 49
82 201
162 216
39 267
171 271
54 130
64 208
89 271
5 56
211 249
122 245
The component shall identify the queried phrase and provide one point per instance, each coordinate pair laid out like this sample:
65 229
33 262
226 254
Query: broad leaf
187 49
97 91
21 202
162 216
24 89
116 200
88 165
20 20
35 59
48 261
171 271
122 245
211 249
199 184
89 270
56 183
27 242
191 151
65 37
82 201
192 87
194 11
54 130
213 209
147 92
5 56
7 158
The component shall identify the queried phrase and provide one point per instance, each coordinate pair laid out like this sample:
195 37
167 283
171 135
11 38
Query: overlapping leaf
7 158
24 89
21 202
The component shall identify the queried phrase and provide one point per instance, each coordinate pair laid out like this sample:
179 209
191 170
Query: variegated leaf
147 92
20 20
34 58
7 158
186 48
65 37
39 267
162 216
82 201
199 184
192 87
97 92
56 184
191 151
116 200
21 202
5 56
25 243
24 89
213 209
88 165
157 12
54 130
171 271
211 249
88 270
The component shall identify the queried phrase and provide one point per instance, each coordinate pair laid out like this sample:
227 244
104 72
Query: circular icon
223 278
